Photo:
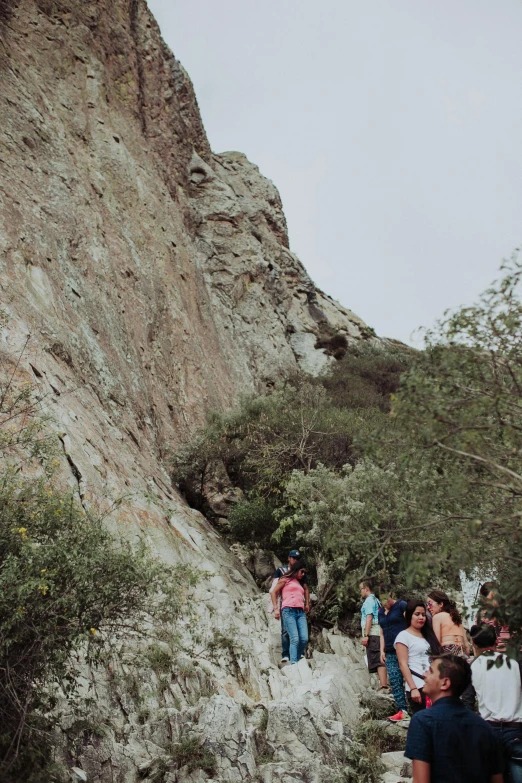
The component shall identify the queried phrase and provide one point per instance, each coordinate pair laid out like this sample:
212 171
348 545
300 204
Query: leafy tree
463 400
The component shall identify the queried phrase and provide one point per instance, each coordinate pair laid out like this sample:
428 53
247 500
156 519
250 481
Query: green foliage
367 375
159 658
187 752
252 521
66 588
463 400
362 763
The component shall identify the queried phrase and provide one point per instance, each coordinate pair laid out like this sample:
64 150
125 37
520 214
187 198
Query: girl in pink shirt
293 609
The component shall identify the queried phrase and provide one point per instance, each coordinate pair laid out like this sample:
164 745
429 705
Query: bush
66 589
252 521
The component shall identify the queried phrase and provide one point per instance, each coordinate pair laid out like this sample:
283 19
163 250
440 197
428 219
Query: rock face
155 282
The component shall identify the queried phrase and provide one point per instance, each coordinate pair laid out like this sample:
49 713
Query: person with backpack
371 634
293 557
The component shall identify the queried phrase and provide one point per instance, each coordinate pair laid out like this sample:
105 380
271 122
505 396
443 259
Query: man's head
365 588
294 556
483 637
448 675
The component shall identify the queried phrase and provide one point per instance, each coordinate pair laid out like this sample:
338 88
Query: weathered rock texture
156 283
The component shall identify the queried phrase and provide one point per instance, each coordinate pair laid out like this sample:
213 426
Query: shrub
66 588
189 752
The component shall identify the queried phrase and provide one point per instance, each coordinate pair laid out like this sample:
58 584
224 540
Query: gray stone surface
156 283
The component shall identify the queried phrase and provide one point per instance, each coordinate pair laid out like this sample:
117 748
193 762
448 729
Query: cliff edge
151 281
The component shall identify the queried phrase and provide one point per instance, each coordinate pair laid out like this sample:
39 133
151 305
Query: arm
422 772
402 657
275 592
272 592
367 627
306 598
383 653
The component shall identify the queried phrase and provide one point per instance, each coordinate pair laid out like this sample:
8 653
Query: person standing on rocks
448 743
447 623
371 633
498 688
293 557
293 609
392 622
413 647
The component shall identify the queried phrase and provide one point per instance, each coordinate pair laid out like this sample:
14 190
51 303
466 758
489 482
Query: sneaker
284 659
401 715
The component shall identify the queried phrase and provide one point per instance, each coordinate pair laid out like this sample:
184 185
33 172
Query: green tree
463 401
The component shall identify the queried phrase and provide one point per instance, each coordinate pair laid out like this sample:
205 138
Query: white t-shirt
418 660
499 691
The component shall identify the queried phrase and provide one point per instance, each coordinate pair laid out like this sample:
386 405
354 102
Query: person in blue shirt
448 743
371 633
392 622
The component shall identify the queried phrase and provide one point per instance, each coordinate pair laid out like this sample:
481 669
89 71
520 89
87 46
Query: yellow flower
23 532
43 571
43 589
94 631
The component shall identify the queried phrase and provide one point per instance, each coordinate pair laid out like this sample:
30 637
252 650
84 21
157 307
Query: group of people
465 700
422 647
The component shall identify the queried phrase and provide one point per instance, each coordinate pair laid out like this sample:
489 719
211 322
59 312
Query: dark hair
483 636
366 583
294 568
447 605
457 670
426 630
486 589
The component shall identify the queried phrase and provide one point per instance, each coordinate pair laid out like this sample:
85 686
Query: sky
392 129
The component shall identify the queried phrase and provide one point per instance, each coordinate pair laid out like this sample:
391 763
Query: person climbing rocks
392 622
371 634
293 557
448 743
294 608
498 688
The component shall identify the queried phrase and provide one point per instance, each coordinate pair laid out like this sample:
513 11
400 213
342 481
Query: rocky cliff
155 282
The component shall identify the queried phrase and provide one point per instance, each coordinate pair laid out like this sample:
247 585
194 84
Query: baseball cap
295 553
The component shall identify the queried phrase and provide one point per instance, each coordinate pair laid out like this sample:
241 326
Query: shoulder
402 606
278 573
403 638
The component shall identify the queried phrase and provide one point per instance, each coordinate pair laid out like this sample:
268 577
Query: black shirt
458 744
392 623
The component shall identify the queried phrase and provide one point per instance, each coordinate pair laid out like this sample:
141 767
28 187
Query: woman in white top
413 647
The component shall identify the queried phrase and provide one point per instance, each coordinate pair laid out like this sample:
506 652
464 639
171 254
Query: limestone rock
156 282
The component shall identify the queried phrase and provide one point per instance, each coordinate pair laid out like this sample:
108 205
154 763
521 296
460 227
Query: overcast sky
392 128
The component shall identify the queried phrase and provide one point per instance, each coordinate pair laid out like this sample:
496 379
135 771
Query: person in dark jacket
392 622
448 743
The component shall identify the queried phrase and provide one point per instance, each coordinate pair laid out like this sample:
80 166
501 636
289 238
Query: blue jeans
511 739
297 628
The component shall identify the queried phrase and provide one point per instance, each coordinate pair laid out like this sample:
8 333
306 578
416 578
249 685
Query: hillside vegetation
400 465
